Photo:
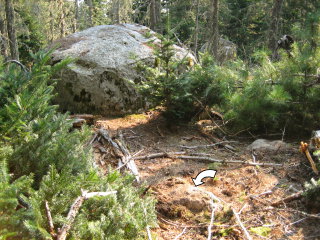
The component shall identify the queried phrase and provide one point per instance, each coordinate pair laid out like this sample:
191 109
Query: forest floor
185 211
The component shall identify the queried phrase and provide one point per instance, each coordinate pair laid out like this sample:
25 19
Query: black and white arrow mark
204 174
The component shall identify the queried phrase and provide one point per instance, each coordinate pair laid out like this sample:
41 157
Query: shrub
267 96
41 160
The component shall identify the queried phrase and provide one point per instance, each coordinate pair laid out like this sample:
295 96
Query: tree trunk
274 26
90 5
153 15
196 34
3 45
158 16
62 23
215 28
14 54
118 14
76 15
52 20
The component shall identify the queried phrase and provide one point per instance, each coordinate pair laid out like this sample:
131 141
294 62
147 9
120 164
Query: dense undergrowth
41 160
267 96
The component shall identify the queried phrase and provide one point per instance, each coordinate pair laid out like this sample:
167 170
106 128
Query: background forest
257 86
249 30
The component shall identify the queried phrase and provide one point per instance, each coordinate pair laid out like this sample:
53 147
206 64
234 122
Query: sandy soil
185 211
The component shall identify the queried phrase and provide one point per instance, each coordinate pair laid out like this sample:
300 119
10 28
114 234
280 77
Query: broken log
121 152
290 198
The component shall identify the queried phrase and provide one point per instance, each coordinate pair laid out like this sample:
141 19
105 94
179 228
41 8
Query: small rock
263 145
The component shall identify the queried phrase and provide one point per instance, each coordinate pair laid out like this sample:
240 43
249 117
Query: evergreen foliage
31 125
266 96
32 40
41 160
284 93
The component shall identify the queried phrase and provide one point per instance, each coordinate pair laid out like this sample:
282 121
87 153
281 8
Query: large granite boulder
102 78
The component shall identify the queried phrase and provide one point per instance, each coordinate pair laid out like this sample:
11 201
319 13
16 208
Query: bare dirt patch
185 211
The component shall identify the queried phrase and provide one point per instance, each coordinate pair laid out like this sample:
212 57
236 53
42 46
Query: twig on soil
93 138
195 226
290 198
213 197
317 216
201 158
205 146
227 161
254 160
158 155
214 207
149 233
128 160
260 194
301 220
159 131
244 206
180 234
245 231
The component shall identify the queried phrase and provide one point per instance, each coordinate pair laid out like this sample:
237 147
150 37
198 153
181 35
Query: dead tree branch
206 146
202 158
158 155
74 209
23 67
121 152
245 231
50 222
290 198
180 234
227 161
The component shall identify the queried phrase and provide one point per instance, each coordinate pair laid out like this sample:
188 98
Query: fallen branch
62 235
149 233
50 222
201 158
158 155
305 150
290 198
180 234
301 220
317 216
206 146
121 152
214 207
245 231
227 161
93 138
